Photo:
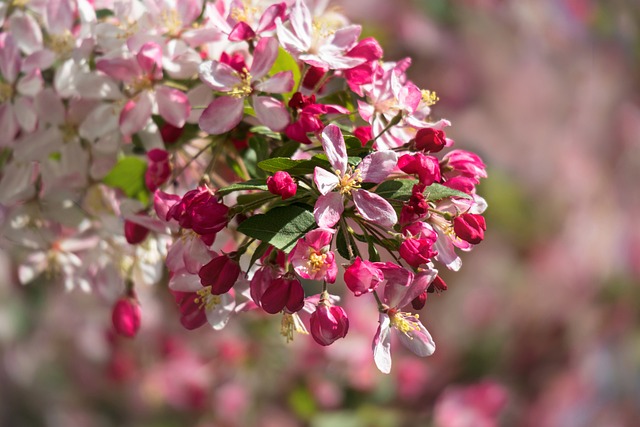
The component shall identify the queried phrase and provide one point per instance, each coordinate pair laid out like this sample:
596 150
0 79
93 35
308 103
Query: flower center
62 44
349 181
429 97
172 22
69 132
206 299
404 322
6 92
316 261
244 13
242 89
141 83
19 3
291 323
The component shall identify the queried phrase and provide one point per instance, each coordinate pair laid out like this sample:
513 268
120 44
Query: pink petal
289 41
268 18
242 31
271 112
8 124
182 281
374 208
377 166
281 82
222 115
50 107
135 114
123 69
218 76
173 105
419 342
150 59
264 57
9 58
59 16
334 147
328 209
26 32
189 10
346 38
325 180
25 114
31 84
301 22
382 345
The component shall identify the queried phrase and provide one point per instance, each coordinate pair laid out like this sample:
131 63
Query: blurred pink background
540 326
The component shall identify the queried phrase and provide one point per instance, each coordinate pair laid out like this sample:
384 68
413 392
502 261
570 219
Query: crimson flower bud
299 101
282 184
170 133
430 140
426 167
418 302
283 292
470 227
221 273
134 233
206 214
364 134
126 316
192 316
159 169
328 324
313 77
437 285
417 251
362 277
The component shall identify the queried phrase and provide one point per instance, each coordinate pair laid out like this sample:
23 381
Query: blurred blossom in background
539 328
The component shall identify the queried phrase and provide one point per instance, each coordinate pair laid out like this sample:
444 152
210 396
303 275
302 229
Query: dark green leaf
253 184
436 192
281 226
400 189
286 150
374 256
128 176
263 130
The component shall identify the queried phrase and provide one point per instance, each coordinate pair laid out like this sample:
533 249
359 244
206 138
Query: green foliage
128 176
400 189
281 226
252 184
285 62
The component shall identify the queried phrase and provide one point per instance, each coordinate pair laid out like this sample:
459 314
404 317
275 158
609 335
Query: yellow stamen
69 132
242 89
402 322
171 21
316 261
429 97
291 323
6 92
19 3
206 299
244 13
140 84
62 44
349 181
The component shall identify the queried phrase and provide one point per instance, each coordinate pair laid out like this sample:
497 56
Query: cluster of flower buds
252 149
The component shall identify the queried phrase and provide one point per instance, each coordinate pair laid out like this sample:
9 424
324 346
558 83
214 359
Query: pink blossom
417 251
282 184
373 168
312 258
159 169
362 277
225 112
478 405
328 323
242 22
126 316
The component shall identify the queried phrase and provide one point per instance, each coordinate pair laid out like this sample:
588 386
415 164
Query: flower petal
418 341
325 180
222 115
135 114
219 314
382 345
279 83
184 282
218 76
173 105
271 112
374 208
335 148
264 57
377 166
328 209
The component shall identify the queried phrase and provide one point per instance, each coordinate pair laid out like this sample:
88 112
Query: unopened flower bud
426 168
126 316
417 251
430 140
134 233
418 302
159 169
470 227
283 292
328 323
282 184
221 273
362 277
438 285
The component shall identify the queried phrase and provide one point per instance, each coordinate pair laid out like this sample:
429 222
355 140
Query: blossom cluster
249 149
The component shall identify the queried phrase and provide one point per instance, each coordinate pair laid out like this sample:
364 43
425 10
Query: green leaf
286 150
342 245
400 189
252 184
260 250
281 226
128 176
286 62
263 130
374 256
276 164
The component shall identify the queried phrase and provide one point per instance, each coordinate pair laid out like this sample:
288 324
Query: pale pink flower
319 45
373 168
312 258
225 112
240 21
408 327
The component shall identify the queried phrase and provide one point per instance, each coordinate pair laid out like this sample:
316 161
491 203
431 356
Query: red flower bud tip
298 101
126 316
221 273
313 77
438 285
159 169
362 277
134 233
170 133
364 134
282 184
418 302
470 227
281 293
430 140
417 251
328 324
426 167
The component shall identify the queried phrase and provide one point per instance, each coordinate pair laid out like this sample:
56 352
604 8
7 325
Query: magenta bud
221 273
470 227
134 233
126 316
281 293
427 168
362 277
417 251
170 133
430 140
159 169
418 302
328 324
438 285
282 184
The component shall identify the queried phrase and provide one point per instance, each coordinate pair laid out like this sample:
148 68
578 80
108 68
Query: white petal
382 345
334 147
325 180
374 208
